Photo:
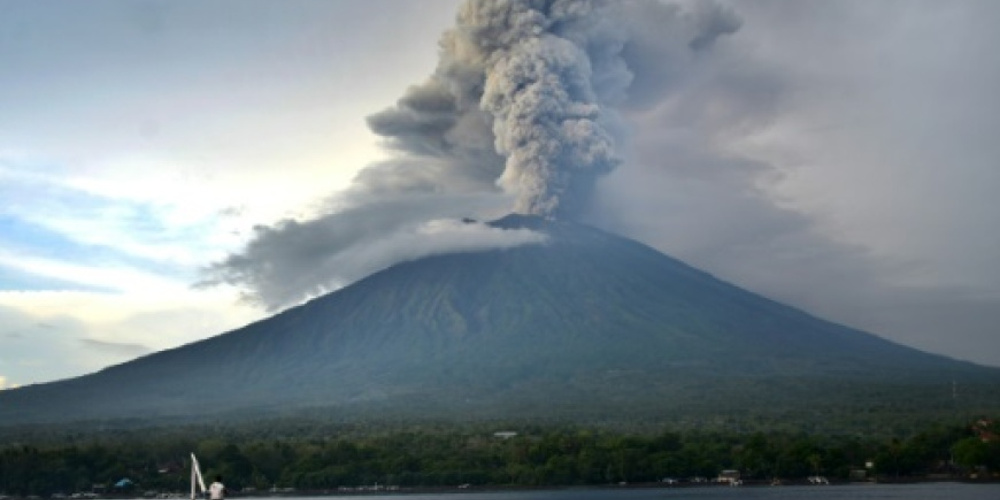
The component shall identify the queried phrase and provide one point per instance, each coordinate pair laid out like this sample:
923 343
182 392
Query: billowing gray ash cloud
537 83
522 113
528 66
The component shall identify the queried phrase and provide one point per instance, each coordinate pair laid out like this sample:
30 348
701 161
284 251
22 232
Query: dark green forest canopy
312 455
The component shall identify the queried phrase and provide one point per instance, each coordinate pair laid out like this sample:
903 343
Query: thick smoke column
546 114
525 107
529 69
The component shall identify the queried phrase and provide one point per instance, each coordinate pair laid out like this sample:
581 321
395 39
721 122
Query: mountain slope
586 325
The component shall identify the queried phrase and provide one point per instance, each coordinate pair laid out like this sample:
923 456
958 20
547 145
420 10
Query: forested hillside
304 458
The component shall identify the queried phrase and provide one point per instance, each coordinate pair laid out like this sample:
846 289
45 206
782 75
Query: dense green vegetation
326 458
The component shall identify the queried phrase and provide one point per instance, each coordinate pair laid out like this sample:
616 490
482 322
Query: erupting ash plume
717 133
526 106
540 73
546 116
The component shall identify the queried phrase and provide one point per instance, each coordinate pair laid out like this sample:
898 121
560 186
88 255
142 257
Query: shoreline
457 489
378 489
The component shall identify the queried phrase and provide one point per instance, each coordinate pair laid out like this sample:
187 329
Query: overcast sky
837 156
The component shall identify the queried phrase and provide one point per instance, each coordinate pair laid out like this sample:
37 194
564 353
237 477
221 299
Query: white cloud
119 279
165 227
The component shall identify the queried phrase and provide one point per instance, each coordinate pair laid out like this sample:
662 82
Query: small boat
196 479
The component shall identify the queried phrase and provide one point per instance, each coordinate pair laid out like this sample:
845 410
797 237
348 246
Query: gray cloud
293 261
124 349
834 173
712 21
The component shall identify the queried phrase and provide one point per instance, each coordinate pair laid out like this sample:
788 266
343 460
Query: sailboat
196 480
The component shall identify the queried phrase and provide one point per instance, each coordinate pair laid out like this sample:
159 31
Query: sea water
923 491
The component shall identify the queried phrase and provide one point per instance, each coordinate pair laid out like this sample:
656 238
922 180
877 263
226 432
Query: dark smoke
518 81
527 92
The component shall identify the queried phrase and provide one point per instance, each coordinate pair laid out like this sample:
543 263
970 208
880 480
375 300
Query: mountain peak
564 232
521 221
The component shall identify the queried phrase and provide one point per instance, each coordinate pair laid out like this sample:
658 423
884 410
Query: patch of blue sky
45 218
20 236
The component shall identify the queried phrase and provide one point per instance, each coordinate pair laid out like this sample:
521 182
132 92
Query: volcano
588 325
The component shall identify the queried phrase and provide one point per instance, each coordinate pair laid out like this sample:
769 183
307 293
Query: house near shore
729 476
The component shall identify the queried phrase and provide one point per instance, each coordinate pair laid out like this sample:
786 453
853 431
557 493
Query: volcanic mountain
587 325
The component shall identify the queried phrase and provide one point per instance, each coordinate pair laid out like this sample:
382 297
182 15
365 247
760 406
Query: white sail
196 479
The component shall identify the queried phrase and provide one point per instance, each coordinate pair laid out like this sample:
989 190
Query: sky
170 170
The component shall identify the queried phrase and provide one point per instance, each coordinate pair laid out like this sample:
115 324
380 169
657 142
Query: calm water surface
934 491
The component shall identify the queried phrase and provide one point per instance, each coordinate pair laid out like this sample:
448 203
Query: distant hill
589 326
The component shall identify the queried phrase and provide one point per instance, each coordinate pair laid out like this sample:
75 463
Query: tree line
428 456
